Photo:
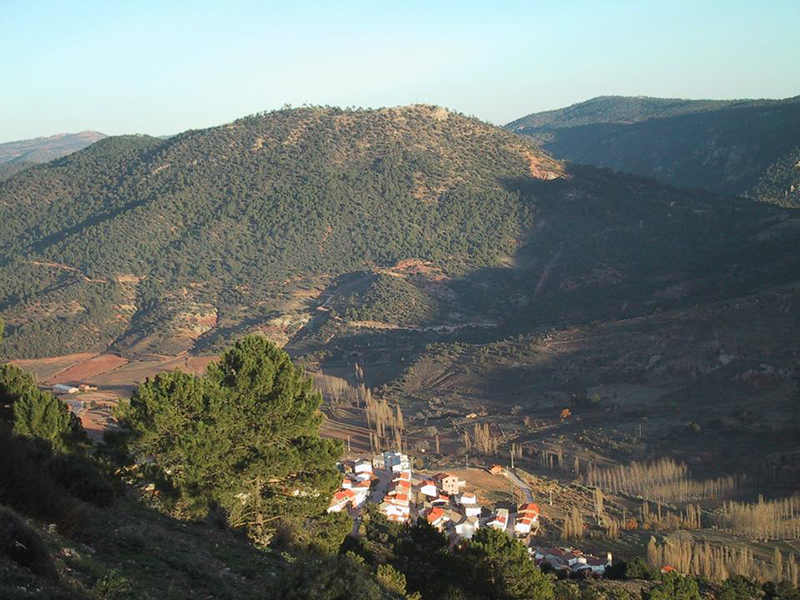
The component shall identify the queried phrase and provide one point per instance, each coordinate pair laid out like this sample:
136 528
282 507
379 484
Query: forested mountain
739 147
144 244
15 156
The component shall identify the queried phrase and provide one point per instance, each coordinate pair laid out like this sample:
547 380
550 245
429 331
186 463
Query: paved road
512 477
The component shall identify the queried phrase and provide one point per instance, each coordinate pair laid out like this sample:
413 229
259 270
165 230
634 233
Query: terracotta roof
435 514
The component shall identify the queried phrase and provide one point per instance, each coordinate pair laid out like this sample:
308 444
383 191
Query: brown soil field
46 368
86 370
125 378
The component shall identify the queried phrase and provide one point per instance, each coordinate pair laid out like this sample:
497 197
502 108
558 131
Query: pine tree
244 436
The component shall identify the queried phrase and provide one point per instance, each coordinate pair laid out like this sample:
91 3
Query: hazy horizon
162 68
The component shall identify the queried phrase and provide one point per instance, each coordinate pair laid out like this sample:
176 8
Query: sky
161 67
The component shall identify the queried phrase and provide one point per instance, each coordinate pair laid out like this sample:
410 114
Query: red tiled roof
531 507
435 514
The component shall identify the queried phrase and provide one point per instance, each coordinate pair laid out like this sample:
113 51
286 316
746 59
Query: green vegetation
160 246
390 299
732 147
33 413
245 437
95 242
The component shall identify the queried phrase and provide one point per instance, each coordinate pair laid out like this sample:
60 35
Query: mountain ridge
144 245
736 147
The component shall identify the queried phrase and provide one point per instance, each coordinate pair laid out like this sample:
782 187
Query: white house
428 488
394 511
340 500
468 498
363 466
396 461
527 519
471 510
467 527
437 517
441 500
499 520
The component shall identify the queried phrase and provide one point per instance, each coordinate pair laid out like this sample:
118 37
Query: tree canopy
245 436
34 413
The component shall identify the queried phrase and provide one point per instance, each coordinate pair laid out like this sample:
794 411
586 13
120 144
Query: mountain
737 147
295 221
15 156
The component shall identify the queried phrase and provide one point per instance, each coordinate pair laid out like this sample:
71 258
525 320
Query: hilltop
739 147
139 236
16 156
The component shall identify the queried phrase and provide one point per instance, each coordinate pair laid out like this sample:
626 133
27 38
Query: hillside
96 246
15 156
144 245
736 147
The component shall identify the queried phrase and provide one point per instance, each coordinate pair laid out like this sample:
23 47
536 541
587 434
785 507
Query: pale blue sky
160 67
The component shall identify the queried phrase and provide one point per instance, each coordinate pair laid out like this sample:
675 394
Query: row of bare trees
663 480
385 424
718 562
763 520
338 392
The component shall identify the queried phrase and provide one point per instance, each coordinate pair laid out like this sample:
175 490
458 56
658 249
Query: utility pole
466 461
512 459
348 443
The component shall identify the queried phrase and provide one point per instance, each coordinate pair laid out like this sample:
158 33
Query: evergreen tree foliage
34 413
502 569
244 436
674 586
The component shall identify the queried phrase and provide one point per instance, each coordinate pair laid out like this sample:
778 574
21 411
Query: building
469 504
61 388
496 470
341 500
572 561
527 519
437 517
466 528
396 461
395 511
499 520
440 500
363 466
428 488
448 482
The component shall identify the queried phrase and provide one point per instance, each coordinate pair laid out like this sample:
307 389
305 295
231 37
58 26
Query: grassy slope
129 551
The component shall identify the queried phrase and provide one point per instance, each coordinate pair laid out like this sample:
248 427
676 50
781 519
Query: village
404 496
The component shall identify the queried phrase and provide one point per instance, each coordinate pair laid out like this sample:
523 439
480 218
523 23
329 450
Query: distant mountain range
296 220
16 156
739 147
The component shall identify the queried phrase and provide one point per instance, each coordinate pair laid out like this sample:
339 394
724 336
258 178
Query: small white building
467 527
61 388
527 519
438 518
396 461
499 520
428 488
467 498
363 466
471 510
